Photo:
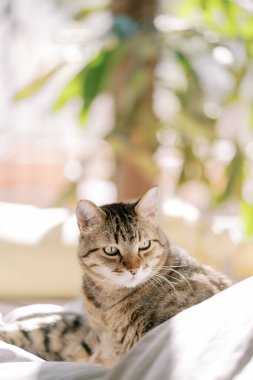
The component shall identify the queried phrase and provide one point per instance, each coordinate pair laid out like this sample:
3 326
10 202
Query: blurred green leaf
192 167
187 7
235 177
247 215
37 84
84 12
71 90
83 116
94 78
225 17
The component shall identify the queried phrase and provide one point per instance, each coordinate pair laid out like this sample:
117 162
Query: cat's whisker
171 284
180 274
159 276
165 267
174 278
169 266
156 280
99 283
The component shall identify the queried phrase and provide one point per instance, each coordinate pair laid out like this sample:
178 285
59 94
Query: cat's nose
133 270
132 264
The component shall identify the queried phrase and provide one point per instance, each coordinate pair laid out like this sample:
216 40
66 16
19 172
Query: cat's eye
110 250
144 245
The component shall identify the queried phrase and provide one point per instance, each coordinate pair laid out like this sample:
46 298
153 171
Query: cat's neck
105 294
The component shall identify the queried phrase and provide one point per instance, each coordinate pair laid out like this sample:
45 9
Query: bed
210 341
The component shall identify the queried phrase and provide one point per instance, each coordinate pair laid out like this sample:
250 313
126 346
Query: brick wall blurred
39 184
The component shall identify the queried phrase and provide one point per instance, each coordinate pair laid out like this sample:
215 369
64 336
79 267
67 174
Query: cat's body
133 278
122 317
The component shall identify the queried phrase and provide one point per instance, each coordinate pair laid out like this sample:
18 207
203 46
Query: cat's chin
126 279
133 283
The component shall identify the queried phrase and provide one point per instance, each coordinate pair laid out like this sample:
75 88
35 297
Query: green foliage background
125 67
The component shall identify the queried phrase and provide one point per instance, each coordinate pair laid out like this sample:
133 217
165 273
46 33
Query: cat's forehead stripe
117 229
122 221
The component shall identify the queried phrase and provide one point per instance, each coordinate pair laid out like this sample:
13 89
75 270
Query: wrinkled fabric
210 341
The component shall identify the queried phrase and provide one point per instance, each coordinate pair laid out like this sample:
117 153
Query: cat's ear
148 204
88 215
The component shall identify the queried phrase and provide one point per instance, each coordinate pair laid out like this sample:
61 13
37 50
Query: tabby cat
133 280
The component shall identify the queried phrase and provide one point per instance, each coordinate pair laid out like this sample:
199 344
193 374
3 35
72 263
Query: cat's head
120 242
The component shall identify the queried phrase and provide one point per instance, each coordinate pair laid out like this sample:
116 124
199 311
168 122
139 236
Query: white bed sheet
210 341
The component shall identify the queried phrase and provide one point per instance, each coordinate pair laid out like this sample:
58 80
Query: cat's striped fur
54 336
133 280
